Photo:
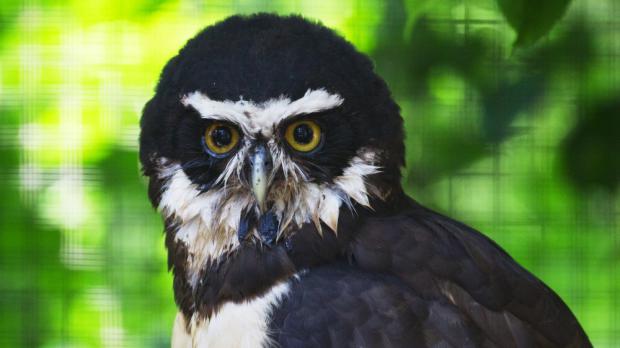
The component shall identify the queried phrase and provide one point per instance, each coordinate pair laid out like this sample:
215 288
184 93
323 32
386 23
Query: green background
511 110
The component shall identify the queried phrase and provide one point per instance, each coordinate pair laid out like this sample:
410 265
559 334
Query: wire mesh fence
82 256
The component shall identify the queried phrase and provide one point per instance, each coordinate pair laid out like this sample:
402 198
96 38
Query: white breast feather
235 325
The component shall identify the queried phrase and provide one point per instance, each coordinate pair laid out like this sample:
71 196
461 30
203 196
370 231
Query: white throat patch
261 118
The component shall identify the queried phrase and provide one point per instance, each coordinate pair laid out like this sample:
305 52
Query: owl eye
303 136
221 138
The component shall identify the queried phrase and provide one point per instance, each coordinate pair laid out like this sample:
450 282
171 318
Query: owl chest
242 325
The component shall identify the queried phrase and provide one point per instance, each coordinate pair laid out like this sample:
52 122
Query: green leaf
532 19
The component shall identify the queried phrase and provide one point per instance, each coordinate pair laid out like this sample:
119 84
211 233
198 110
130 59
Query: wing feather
442 258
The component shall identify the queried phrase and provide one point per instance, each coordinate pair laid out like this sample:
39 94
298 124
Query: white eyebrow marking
262 118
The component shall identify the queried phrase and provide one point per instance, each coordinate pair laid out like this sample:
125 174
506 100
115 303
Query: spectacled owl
273 152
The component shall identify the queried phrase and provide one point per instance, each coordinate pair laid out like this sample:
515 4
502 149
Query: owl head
262 125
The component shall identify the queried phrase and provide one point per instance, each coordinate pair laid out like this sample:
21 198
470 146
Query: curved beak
260 169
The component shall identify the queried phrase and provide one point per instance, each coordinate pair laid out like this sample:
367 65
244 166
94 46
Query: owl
273 152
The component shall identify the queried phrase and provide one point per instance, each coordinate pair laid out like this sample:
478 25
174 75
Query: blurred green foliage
512 117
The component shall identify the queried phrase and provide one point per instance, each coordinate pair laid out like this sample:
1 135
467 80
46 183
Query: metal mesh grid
83 262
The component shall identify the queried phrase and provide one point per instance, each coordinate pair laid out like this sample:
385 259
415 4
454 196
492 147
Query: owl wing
339 305
440 258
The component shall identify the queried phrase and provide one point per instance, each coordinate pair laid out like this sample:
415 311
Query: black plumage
393 274
434 264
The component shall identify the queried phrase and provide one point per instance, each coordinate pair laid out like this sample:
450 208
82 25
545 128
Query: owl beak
260 168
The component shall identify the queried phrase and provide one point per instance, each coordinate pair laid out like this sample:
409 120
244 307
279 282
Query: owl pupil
221 136
303 134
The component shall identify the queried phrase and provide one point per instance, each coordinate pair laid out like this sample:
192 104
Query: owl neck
251 269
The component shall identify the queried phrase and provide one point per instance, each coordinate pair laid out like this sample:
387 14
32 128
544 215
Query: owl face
273 148
259 127
256 172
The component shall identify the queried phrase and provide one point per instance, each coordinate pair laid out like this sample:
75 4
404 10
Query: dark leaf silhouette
532 19
591 149
503 104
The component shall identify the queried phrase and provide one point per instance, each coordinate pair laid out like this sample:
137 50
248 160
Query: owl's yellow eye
221 138
303 136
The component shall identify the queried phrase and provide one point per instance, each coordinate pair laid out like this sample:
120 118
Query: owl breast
234 325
